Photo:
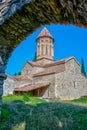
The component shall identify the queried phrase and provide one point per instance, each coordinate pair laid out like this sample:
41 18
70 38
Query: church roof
31 87
22 77
44 33
58 62
34 63
59 69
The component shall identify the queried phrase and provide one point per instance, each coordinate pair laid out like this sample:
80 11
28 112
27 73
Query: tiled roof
45 33
58 62
62 61
46 65
35 64
51 71
55 63
22 77
31 87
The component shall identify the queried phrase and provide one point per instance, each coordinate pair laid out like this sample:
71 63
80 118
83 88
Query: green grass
38 114
20 98
80 100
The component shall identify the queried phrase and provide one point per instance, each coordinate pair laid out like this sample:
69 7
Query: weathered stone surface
70 84
36 13
9 7
21 83
2 77
32 16
8 85
45 45
49 93
28 69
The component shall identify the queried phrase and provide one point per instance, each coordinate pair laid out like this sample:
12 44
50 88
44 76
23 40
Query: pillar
37 51
5 52
40 50
48 49
52 51
2 78
44 49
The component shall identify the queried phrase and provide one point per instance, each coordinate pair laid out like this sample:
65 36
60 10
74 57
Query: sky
69 40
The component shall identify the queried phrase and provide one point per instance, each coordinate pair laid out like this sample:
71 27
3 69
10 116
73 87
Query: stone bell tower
45 45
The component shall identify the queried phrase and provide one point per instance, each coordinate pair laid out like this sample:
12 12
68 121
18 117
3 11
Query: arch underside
34 14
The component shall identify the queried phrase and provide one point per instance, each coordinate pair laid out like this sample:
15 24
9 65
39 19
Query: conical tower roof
44 33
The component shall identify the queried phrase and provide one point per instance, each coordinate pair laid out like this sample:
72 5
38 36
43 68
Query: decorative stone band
9 7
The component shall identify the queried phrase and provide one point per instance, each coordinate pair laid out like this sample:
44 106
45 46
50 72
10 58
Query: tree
15 74
35 56
83 67
19 73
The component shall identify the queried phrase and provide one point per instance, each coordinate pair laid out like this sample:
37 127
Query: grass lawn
38 114
22 98
81 100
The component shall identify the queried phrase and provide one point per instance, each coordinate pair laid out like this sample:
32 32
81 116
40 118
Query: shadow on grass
45 116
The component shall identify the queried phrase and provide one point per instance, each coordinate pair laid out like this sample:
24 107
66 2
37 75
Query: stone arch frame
32 16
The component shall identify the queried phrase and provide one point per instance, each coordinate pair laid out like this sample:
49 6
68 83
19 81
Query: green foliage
15 74
5 113
45 116
11 98
83 67
19 73
35 56
22 98
26 97
81 100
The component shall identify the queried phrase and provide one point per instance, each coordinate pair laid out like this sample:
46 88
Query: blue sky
70 40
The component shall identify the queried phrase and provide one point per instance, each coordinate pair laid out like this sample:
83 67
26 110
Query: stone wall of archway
32 16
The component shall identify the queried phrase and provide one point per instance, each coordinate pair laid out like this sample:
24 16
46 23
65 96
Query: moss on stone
35 14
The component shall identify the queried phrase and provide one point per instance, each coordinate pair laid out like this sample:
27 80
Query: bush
5 113
26 97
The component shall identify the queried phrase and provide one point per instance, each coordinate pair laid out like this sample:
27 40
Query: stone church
46 77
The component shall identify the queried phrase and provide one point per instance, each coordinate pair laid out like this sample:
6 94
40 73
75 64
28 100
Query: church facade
50 79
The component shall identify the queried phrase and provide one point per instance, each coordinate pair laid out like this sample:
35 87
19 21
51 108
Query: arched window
50 41
42 40
38 50
42 49
50 50
46 50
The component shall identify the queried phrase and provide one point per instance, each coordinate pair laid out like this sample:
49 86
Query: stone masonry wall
56 67
45 48
2 78
30 70
21 83
70 84
50 91
8 86
44 61
27 70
